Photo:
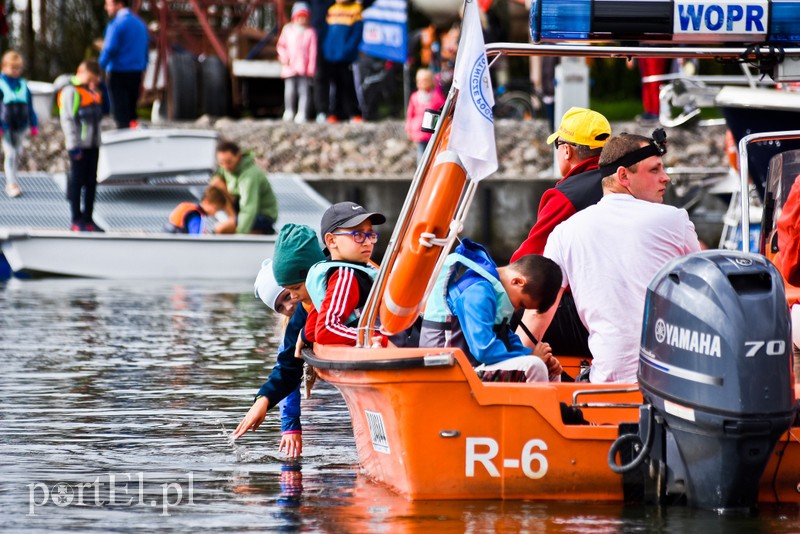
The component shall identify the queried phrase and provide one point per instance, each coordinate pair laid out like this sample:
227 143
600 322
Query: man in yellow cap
579 139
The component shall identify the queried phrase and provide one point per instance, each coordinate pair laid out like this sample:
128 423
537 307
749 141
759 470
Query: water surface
116 399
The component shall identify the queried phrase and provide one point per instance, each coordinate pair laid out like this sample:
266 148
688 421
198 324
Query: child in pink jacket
297 52
425 97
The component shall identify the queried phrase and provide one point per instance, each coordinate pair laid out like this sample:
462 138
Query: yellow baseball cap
581 126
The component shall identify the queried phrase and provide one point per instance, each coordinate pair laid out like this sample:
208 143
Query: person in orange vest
193 218
80 111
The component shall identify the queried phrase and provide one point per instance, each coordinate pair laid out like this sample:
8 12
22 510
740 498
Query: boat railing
368 321
609 391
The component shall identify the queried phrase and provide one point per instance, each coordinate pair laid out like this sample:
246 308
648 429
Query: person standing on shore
340 49
80 111
16 116
124 58
297 51
427 96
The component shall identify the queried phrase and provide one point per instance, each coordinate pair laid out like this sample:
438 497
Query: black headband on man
656 147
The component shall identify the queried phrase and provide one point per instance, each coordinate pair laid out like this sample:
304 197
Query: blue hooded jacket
126 44
473 302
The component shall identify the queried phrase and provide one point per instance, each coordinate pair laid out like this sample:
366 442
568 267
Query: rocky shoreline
381 149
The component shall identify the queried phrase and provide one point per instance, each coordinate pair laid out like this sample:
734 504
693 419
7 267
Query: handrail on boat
580 392
368 321
443 359
744 173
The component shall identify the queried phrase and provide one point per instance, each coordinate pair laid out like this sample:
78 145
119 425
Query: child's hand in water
255 416
293 443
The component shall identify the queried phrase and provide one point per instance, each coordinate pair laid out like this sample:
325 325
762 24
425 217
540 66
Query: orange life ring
408 279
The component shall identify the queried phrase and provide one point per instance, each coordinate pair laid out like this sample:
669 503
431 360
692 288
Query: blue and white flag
385 30
472 133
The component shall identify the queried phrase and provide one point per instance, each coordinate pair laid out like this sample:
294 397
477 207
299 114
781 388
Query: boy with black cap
296 251
339 286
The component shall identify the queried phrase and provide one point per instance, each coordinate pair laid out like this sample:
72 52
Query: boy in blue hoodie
471 307
340 51
124 58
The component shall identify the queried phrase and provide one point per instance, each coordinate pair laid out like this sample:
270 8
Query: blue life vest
470 262
14 112
317 283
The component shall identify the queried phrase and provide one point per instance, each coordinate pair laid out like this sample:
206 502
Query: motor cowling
716 367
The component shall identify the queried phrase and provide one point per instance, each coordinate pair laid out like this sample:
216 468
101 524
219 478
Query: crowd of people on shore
565 291
239 198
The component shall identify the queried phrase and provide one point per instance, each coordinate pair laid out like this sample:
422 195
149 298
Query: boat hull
438 432
127 256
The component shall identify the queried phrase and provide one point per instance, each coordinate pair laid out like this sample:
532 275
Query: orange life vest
181 212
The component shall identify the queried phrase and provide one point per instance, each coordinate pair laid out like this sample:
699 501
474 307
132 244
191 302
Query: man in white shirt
610 252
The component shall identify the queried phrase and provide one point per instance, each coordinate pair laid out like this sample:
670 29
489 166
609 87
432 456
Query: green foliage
70 27
617 110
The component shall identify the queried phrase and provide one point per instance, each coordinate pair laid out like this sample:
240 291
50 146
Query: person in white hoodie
297 52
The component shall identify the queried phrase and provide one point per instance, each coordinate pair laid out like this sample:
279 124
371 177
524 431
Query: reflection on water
116 399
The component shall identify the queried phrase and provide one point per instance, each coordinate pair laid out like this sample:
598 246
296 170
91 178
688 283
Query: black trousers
566 333
123 88
82 182
322 85
345 102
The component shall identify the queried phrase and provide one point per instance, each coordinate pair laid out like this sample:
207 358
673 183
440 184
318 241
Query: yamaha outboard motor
715 370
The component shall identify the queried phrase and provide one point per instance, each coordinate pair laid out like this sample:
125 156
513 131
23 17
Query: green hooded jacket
250 184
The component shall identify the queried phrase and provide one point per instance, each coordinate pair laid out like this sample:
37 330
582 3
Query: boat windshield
784 168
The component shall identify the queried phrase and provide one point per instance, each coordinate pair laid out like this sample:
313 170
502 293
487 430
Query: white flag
472 133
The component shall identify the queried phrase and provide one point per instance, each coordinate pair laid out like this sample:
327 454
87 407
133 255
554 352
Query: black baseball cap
347 215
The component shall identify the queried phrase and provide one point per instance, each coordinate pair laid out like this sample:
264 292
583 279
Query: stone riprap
381 149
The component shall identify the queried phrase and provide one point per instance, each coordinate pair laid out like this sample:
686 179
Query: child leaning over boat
296 250
339 286
471 307
193 217
281 300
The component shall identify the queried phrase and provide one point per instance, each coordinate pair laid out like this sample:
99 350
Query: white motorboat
134 245
136 256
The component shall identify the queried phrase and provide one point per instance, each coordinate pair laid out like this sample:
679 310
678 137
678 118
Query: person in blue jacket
340 51
471 307
124 58
297 248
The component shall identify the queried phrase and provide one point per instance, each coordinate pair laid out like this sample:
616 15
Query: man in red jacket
579 140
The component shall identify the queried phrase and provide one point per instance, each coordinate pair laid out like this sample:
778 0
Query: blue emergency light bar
681 21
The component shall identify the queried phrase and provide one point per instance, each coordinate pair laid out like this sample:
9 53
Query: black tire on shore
182 86
215 83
